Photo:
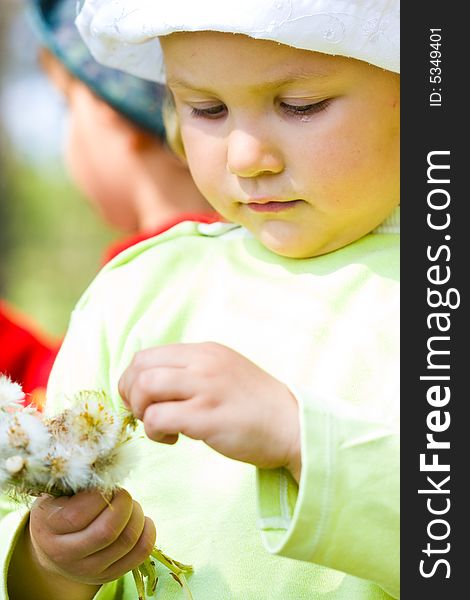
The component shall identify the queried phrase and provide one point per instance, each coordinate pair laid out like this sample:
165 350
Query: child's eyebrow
288 79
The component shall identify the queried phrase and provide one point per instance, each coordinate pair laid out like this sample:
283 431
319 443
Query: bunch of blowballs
87 446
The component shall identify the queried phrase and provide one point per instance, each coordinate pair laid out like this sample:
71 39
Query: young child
273 340
118 157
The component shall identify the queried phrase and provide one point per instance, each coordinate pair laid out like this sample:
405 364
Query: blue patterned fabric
137 99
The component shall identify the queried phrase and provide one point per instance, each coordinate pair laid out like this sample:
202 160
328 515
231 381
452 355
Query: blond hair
172 126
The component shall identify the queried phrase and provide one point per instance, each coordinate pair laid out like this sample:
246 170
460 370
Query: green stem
171 564
149 574
177 568
139 583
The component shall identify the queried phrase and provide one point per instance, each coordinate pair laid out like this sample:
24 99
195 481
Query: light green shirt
328 327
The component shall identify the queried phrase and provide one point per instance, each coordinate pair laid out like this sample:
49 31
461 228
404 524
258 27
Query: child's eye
211 112
305 109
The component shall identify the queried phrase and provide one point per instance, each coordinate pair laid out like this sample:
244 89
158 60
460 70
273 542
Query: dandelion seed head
58 467
37 472
5 421
59 426
87 445
17 436
93 424
36 431
109 471
14 464
69 468
11 394
80 471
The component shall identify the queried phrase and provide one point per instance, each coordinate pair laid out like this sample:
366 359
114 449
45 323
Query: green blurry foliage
55 245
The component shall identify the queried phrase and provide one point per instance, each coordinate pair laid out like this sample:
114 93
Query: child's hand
211 393
87 540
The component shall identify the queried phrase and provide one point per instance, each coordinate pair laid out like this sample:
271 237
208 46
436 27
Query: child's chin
283 239
283 247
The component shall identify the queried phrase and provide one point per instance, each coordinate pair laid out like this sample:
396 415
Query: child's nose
251 155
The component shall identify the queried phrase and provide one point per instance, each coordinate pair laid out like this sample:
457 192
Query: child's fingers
68 513
110 526
65 549
169 355
98 561
165 420
157 384
177 356
133 558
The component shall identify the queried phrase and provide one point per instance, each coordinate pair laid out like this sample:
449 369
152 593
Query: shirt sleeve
12 522
344 514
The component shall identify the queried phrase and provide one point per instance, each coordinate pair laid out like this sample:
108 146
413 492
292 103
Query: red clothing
118 247
27 355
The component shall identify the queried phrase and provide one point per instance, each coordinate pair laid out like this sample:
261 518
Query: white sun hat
124 33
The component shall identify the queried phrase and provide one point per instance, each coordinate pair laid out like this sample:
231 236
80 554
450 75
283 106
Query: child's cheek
330 161
207 162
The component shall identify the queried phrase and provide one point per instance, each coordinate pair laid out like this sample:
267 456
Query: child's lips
272 205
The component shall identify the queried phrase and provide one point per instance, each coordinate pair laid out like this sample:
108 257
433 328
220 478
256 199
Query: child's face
300 147
95 152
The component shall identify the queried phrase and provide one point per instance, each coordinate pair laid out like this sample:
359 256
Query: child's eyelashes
211 112
304 110
218 111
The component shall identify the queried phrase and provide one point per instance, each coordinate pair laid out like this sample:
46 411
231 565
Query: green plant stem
147 569
171 564
139 583
179 569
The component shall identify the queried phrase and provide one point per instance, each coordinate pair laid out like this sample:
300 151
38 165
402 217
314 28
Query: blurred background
51 242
